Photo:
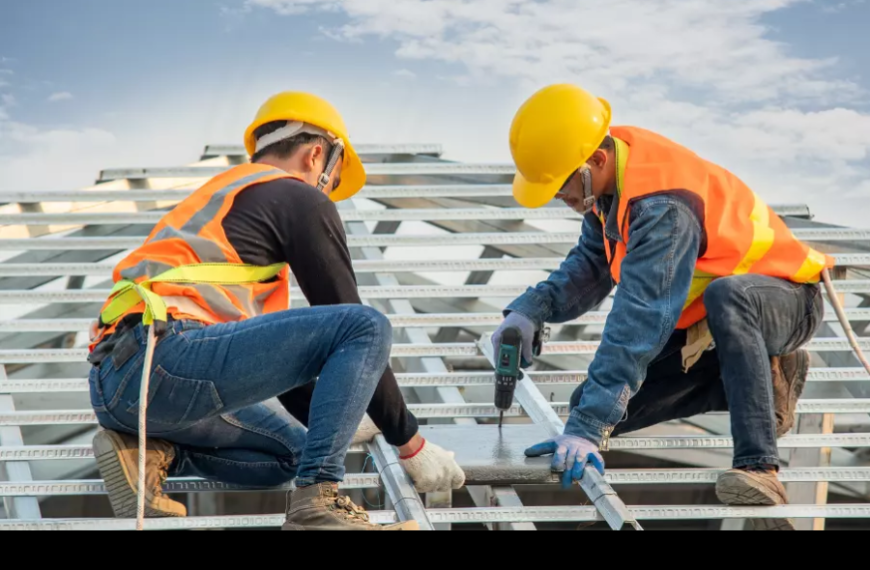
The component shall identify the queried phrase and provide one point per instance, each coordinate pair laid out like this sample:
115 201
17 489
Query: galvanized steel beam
359 265
174 485
398 215
372 169
362 150
425 380
544 415
15 472
427 320
398 485
404 350
371 292
623 443
169 195
459 516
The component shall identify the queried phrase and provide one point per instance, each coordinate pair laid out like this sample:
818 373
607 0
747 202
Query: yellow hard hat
308 108
553 134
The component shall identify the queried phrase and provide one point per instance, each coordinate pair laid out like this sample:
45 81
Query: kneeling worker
715 295
214 274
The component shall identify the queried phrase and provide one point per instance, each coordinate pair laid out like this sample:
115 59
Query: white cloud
61 96
30 157
704 72
405 74
33 158
6 72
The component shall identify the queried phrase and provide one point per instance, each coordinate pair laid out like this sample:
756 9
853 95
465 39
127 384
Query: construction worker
212 281
715 296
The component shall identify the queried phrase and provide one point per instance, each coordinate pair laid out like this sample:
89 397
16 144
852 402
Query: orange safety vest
192 233
744 235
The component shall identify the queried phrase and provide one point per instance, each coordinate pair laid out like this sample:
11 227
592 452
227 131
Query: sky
774 90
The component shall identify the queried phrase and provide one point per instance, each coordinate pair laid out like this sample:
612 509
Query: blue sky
775 90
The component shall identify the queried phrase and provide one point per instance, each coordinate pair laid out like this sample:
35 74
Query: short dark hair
286 148
607 144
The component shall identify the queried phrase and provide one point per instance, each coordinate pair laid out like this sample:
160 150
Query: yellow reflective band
127 294
811 267
700 281
621 151
218 273
762 237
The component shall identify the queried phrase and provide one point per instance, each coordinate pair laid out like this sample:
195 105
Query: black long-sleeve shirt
289 221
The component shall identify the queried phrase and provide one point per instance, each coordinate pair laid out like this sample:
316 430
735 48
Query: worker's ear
598 160
314 156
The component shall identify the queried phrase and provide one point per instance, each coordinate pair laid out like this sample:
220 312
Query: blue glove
571 454
527 330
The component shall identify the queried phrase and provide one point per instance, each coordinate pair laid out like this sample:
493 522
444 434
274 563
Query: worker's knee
370 324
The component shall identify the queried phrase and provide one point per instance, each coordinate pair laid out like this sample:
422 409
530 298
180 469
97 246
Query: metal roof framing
60 238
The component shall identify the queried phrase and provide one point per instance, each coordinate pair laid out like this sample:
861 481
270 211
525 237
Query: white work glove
366 432
433 469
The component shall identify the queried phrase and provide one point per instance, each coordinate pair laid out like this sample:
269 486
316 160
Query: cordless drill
507 367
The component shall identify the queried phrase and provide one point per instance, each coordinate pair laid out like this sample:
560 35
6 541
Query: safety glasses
563 191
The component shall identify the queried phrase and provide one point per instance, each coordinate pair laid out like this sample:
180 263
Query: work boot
320 507
754 486
118 459
789 373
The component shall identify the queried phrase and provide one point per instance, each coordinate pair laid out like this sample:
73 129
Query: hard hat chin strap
588 196
334 156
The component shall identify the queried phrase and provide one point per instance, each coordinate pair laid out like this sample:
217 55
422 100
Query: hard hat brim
353 176
535 194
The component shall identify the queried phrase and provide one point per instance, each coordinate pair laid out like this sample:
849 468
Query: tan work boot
320 507
789 373
756 486
118 459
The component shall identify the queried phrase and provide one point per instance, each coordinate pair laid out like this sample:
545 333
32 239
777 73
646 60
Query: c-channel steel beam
478 515
593 483
441 240
441 350
16 472
394 215
425 380
27 296
624 443
372 481
398 485
372 169
441 320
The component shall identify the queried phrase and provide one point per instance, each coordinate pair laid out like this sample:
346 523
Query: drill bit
500 419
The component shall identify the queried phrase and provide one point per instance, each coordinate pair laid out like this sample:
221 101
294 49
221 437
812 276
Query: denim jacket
664 245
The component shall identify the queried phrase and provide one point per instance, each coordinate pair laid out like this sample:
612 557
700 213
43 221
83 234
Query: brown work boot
755 486
320 507
789 373
118 459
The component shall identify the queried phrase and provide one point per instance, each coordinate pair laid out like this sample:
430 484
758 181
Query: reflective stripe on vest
126 295
187 256
743 234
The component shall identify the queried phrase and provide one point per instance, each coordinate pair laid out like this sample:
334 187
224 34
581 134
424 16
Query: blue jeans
751 317
212 388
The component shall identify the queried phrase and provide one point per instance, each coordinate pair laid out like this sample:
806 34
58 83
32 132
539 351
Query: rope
841 316
143 406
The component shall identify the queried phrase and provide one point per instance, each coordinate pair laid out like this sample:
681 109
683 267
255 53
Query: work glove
527 330
570 456
366 431
433 469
